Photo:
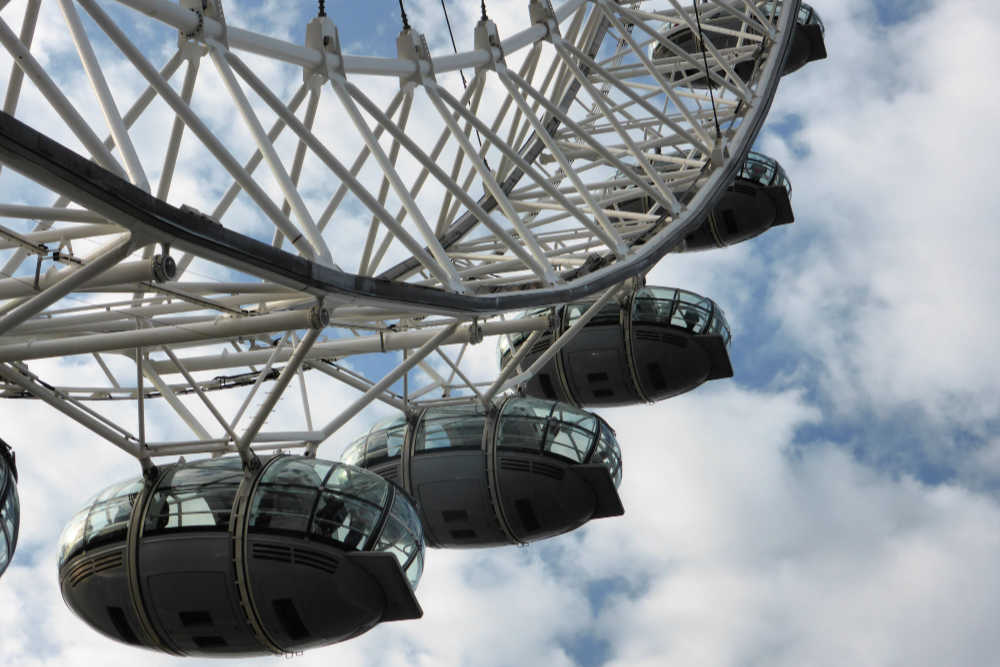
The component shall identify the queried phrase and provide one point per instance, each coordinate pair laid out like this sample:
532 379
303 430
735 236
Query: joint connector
541 12
251 462
150 472
412 46
164 268
720 151
487 38
322 36
211 9
319 317
475 332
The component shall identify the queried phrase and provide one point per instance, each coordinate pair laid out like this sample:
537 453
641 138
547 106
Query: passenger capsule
656 343
10 509
523 470
209 560
759 199
724 33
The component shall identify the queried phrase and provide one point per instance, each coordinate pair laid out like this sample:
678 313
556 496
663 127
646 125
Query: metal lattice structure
308 205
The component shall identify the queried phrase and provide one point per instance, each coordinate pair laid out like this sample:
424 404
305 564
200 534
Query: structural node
10 509
656 343
209 560
724 32
522 470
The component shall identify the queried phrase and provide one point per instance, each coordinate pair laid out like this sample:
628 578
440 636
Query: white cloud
744 542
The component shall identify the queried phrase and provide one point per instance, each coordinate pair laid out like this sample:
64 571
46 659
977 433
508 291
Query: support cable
465 83
402 13
704 57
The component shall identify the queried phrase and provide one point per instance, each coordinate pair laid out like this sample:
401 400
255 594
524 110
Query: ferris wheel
211 211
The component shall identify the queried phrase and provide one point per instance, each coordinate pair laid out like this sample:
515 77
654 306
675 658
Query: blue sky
834 503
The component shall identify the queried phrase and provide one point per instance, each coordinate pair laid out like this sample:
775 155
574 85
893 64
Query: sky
836 502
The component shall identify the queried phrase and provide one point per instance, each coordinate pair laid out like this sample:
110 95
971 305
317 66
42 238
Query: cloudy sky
834 503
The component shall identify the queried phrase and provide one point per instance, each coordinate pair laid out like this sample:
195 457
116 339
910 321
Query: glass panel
610 313
442 428
344 520
568 441
5 552
574 416
280 507
291 470
529 407
396 537
201 473
385 444
518 432
359 483
608 454
653 305
108 519
415 570
196 496
11 513
355 452
11 516
197 508
71 540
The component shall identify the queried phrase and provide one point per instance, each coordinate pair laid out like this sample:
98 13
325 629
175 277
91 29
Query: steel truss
181 267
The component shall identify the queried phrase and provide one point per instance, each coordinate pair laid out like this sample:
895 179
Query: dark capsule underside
10 509
524 471
224 564
807 45
661 342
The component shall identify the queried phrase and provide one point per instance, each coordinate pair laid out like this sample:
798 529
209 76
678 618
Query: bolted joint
475 332
720 152
322 36
164 268
487 38
541 12
211 9
150 473
251 462
319 317
412 45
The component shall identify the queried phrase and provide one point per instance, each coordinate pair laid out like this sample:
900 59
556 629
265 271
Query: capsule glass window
402 536
104 518
9 514
570 433
653 305
522 423
450 427
608 453
197 496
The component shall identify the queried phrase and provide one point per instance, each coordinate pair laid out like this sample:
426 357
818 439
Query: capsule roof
562 431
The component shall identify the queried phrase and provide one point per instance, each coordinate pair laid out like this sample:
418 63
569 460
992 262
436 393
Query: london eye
222 220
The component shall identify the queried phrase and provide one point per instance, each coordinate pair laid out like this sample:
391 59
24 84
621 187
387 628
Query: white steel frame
559 124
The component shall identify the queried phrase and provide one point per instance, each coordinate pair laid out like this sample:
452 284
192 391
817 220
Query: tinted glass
109 515
195 496
608 453
450 427
522 423
403 538
10 513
